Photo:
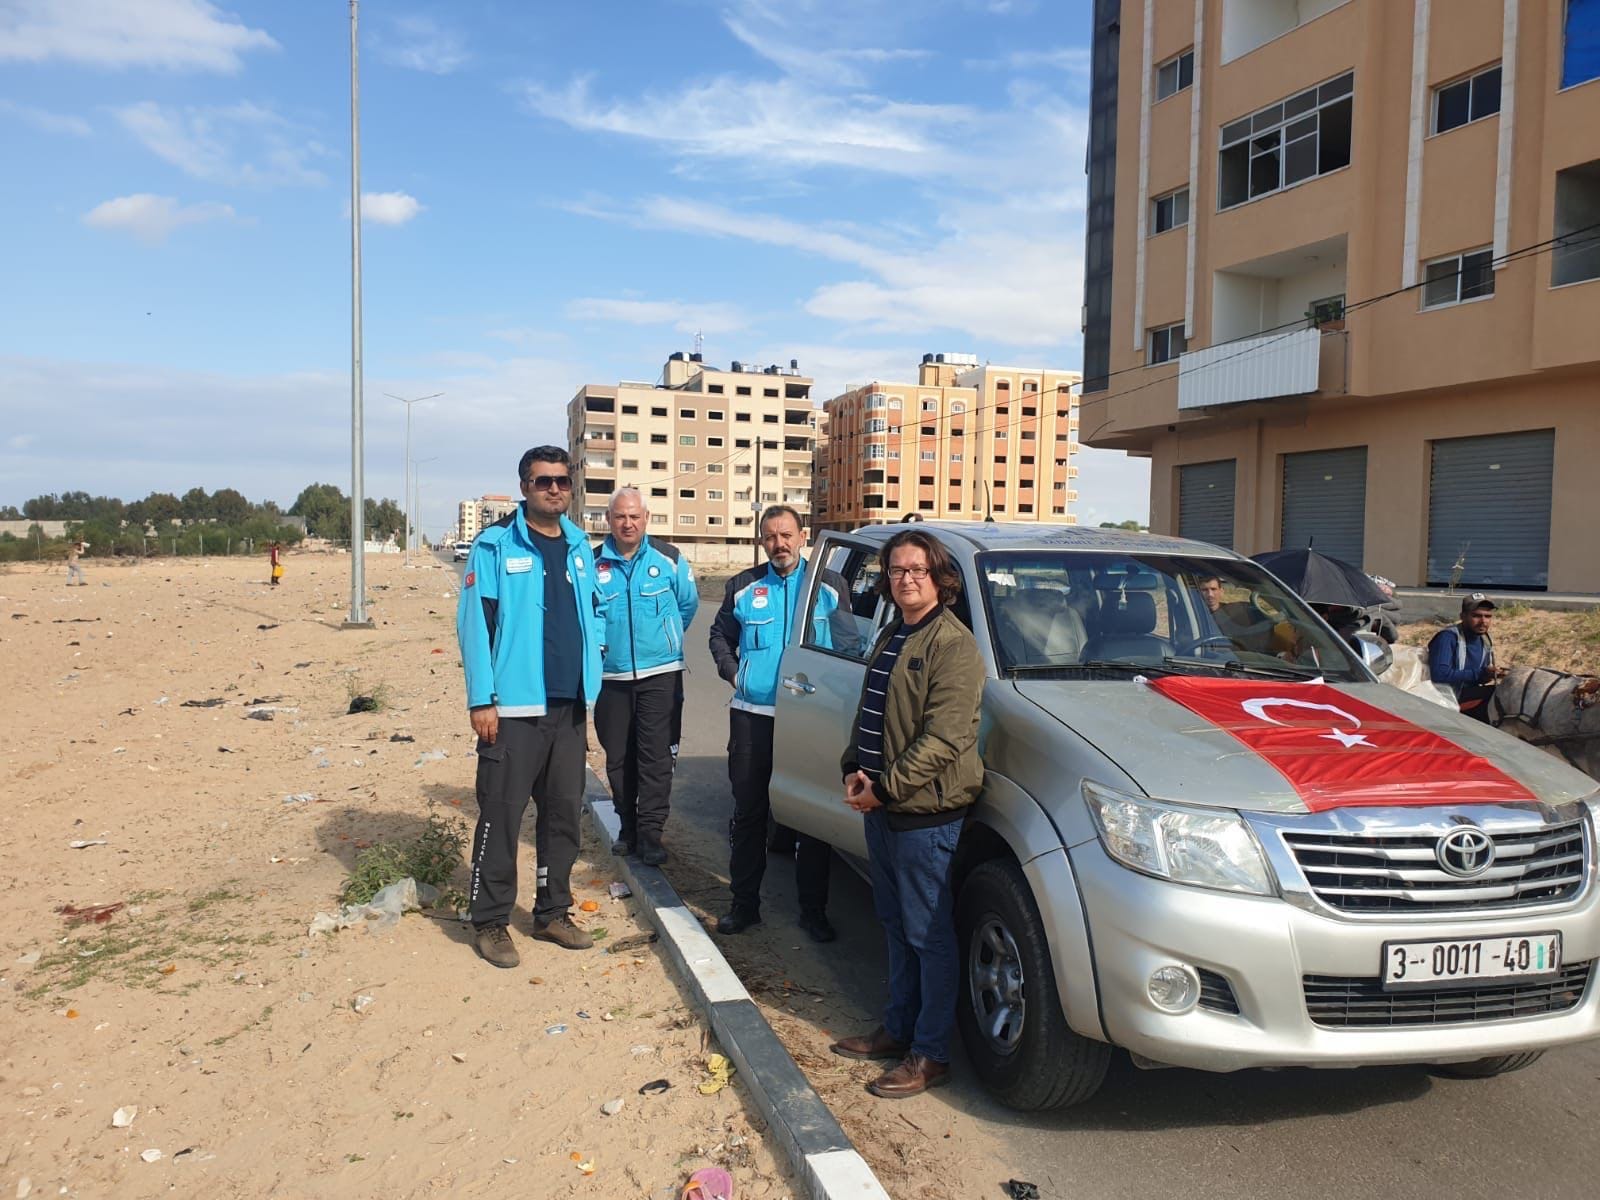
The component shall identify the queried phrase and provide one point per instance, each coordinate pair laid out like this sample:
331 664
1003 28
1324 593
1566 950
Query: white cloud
419 43
44 120
243 144
152 218
770 35
174 35
389 208
683 317
1072 59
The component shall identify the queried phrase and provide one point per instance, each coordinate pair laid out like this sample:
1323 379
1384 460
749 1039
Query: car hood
1175 754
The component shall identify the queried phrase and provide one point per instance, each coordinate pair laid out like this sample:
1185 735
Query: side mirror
1375 652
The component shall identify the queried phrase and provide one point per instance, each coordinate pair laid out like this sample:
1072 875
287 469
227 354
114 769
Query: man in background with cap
1462 657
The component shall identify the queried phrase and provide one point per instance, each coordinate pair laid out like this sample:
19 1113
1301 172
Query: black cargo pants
750 773
636 722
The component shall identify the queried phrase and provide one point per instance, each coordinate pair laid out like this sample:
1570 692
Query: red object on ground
97 913
1340 752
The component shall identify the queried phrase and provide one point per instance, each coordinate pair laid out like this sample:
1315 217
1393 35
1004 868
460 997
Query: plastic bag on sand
380 914
1409 673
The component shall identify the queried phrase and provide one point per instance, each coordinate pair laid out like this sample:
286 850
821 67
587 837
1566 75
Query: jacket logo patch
467 582
603 573
580 566
654 571
914 664
516 566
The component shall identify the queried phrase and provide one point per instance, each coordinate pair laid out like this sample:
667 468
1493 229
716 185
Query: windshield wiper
1098 664
1234 666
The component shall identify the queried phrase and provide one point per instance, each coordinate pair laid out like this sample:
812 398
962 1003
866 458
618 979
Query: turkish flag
1340 752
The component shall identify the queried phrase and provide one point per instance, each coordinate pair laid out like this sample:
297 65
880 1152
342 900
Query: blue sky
556 194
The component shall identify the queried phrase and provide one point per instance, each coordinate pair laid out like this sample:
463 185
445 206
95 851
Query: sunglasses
550 483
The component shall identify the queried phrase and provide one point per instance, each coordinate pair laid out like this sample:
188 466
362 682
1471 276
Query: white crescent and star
1258 706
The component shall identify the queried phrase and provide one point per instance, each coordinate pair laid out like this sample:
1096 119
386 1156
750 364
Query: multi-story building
474 515
964 441
708 448
1343 277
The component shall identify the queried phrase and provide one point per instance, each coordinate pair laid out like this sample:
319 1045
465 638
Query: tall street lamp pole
358 502
405 494
416 484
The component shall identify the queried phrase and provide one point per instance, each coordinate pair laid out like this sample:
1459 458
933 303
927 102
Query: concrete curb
818 1149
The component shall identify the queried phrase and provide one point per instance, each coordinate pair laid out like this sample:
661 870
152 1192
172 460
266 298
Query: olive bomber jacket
930 720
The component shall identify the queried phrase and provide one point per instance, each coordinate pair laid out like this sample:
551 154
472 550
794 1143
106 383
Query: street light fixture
358 618
405 493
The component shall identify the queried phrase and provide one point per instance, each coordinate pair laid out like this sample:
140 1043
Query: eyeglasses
917 573
550 483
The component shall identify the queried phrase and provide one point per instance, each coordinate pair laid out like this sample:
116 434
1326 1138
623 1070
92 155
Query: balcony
1301 362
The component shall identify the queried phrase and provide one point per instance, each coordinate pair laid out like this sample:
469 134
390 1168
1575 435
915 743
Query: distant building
708 448
964 441
474 515
24 528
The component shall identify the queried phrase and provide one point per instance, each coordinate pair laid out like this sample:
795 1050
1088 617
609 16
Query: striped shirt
869 725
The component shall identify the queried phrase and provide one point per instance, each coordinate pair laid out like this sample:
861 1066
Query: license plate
1428 964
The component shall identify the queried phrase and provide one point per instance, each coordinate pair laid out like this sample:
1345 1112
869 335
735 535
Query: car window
844 606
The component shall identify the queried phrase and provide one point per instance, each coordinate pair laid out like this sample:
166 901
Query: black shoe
815 923
651 852
622 847
737 920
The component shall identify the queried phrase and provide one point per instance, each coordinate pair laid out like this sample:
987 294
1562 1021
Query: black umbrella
1320 579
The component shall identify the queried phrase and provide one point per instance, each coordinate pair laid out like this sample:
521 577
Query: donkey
1553 710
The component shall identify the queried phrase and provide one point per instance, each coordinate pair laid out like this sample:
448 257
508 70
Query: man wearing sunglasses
531 634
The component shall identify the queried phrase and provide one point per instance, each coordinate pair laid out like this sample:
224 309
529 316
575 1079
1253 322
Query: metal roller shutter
1489 500
1325 502
1205 502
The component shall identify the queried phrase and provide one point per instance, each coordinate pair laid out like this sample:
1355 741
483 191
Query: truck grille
1389 873
1340 1002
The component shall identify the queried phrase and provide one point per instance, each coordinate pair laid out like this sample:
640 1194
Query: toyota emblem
1465 852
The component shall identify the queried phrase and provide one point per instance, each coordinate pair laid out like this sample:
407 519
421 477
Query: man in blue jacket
759 608
1461 657
531 634
647 594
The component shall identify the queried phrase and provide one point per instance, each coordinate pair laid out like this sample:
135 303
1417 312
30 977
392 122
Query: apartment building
708 448
963 441
472 516
1343 278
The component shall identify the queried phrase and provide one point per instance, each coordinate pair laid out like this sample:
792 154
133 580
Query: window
1166 343
958 406
1174 75
1466 100
769 495
743 520
769 391
877 400
686 439
877 425
713 494
630 436
658 518
1000 435
1580 48
658 491
657 464
926 456
630 410
714 388
741 443
928 431
658 439
1170 211
741 416
1326 310
713 414
630 464
875 450
713 520
1292 141
894 402
769 470
1577 250
686 494
685 518
741 469
714 441
929 404
685 467
1468 276
713 468
686 414
769 418
955 458
658 412
741 391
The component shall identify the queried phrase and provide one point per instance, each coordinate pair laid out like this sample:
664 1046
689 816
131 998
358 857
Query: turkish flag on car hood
1340 752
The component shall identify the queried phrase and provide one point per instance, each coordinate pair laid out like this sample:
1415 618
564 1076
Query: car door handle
799 686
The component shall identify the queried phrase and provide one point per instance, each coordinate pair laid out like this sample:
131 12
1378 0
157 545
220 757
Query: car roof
1027 535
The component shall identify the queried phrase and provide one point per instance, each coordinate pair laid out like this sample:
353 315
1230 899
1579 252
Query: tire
1036 1062
1488 1068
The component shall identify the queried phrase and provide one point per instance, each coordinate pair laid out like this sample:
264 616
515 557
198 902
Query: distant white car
461 551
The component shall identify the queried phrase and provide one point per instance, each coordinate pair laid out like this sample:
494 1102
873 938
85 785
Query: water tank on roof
697 358
927 358
770 371
675 356
736 366
794 364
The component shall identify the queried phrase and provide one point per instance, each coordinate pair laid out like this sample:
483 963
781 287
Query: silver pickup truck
1207 834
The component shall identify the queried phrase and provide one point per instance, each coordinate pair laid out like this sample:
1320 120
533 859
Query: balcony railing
1273 365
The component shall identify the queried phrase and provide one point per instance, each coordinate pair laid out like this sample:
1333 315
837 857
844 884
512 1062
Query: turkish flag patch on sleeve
1337 751
467 582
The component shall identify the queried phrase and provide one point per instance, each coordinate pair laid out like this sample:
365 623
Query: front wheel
1488 1068
1009 1010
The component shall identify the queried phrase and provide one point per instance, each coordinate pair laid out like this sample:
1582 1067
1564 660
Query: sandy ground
204 1003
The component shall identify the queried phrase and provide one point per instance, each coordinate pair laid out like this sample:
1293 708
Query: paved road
1293 1134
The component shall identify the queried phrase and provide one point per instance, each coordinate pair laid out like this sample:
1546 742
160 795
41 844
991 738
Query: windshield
1071 614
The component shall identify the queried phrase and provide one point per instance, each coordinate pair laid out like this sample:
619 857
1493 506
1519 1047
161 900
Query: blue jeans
911 894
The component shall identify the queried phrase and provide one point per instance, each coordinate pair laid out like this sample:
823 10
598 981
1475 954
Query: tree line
198 522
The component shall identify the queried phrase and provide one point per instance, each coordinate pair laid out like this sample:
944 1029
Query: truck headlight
1201 847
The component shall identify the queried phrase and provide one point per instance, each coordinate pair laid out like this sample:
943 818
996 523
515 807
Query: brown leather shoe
877 1044
915 1075
494 944
563 933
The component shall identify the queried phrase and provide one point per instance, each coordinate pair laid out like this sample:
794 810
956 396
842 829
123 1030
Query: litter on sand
1019 1190
429 756
361 704
381 913
213 702
98 914
623 945
123 1117
655 1087
719 1073
612 1107
85 844
301 798
151 1156
552 1030
619 890
708 1183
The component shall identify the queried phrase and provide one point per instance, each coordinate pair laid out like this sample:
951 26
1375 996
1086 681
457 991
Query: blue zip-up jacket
1457 659
500 620
648 601
753 625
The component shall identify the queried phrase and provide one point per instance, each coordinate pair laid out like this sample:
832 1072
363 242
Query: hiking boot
816 924
915 1075
651 851
563 933
737 920
495 947
877 1044
623 846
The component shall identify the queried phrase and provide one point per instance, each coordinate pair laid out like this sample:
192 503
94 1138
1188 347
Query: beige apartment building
965 440
707 447
473 516
1343 278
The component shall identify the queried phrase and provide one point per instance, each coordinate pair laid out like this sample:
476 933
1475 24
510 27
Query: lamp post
405 486
416 484
358 534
